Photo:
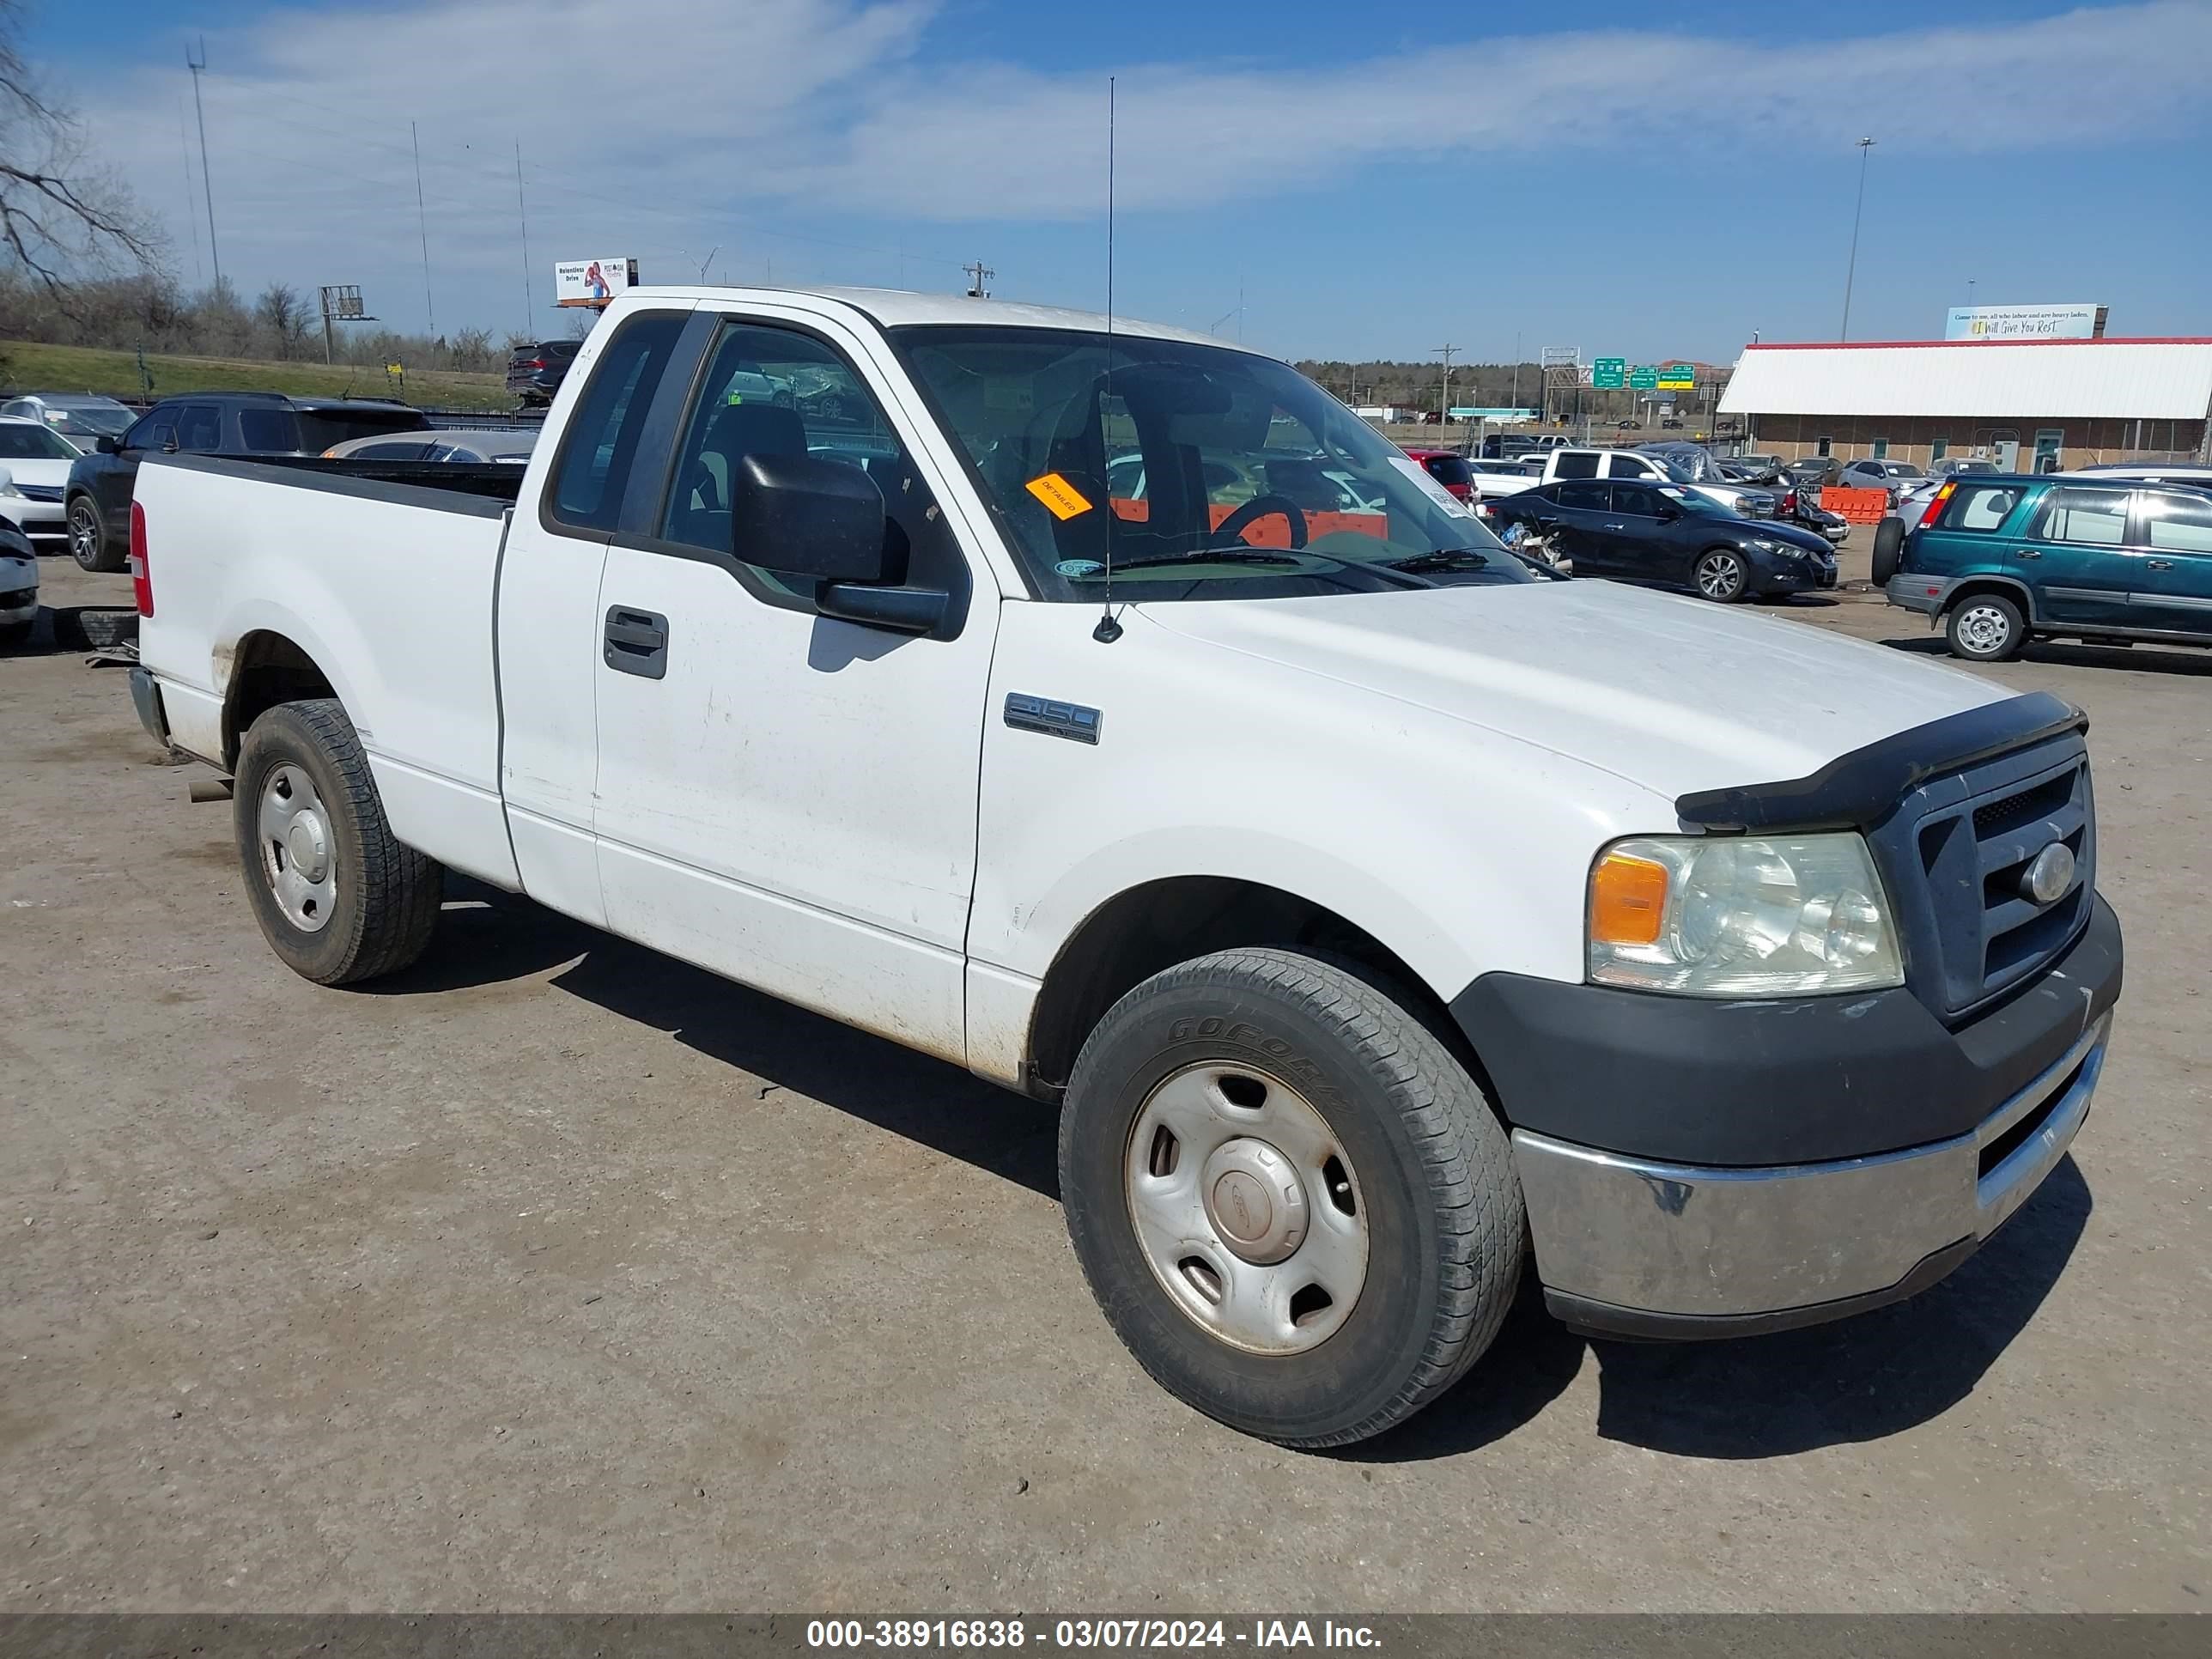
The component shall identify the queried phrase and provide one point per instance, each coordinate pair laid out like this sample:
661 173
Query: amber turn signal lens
1628 899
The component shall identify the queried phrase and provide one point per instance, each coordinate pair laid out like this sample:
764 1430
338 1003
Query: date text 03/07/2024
1143 1634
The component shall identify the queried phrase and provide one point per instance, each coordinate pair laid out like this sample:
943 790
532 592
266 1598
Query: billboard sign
592 281
2054 322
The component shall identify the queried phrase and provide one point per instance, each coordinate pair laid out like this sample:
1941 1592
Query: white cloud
662 126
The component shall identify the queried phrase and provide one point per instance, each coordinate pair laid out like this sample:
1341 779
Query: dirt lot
557 1275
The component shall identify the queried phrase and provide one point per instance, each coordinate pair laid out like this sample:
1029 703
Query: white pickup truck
1694 472
1383 916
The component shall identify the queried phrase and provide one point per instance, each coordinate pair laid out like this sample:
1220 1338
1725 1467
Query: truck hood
1674 694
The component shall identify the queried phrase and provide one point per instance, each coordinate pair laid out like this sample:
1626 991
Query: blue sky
1632 180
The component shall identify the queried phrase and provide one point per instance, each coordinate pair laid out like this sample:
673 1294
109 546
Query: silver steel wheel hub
1984 628
1247 1208
1716 577
1254 1199
296 848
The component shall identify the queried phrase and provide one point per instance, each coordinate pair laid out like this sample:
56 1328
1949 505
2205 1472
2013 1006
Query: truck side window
154 432
200 427
601 439
779 391
1572 465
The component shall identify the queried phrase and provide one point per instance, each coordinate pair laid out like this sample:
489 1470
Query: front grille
40 492
1957 869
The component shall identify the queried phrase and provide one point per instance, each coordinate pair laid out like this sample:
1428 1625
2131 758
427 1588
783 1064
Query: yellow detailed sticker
1061 499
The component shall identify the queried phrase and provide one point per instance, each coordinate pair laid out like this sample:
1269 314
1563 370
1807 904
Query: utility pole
196 64
978 275
522 216
1852 269
1444 403
423 227
1517 369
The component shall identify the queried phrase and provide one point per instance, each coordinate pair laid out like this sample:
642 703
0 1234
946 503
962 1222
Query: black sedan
1663 534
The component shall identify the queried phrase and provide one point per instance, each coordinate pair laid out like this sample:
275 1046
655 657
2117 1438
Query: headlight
1785 550
1742 916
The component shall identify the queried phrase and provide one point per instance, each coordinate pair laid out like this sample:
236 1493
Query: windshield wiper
1444 558
1202 556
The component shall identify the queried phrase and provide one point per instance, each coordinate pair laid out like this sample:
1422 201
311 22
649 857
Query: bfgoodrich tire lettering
1442 1208
383 897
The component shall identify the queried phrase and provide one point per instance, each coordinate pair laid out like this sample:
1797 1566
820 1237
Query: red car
1448 468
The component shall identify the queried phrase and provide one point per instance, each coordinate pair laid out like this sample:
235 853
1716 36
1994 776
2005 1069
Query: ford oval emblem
2051 875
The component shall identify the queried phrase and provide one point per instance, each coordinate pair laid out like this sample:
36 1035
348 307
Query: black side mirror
107 444
801 516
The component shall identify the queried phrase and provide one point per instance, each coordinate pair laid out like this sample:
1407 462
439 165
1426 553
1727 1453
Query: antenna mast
1109 630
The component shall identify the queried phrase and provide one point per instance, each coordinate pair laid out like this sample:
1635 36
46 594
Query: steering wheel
1233 527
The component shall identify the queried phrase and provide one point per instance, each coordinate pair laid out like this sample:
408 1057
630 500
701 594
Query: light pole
1852 269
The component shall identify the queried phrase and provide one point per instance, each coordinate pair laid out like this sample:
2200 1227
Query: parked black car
534 373
209 423
1803 508
1664 533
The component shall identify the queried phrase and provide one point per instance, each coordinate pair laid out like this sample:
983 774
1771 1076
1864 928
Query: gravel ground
556 1275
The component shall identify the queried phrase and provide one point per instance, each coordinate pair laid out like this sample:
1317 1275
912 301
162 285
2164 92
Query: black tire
385 900
15 635
86 628
1716 558
89 543
1434 1169
1986 628
1888 549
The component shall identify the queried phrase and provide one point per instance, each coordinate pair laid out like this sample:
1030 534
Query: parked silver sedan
463 445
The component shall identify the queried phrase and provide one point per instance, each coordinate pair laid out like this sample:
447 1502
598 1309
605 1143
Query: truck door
787 798
598 435
2171 548
2073 553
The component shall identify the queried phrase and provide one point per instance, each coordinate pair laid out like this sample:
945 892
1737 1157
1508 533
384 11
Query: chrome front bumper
1631 1246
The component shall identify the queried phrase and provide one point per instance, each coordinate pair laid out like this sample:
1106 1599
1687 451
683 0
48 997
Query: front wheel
1720 576
89 543
1986 628
338 897
1292 1202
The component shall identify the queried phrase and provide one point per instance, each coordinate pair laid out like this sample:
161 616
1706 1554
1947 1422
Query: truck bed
383 574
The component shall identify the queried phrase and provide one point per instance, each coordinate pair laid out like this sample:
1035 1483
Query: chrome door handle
2029 553
1616 527
2158 564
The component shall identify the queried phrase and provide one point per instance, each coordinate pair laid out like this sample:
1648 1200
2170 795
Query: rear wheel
89 542
1986 628
1291 1201
1720 575
337 897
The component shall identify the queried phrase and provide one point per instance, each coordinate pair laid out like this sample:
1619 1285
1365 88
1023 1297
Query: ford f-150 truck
1382 918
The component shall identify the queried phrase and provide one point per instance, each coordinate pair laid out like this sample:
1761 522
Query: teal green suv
2001 560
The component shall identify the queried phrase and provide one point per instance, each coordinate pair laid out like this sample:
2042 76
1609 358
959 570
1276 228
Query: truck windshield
1203 472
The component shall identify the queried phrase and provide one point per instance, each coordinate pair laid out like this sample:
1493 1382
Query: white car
1742 500
19 587
1379 914
35 461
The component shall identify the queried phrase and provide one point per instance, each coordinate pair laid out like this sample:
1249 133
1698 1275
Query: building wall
1914 438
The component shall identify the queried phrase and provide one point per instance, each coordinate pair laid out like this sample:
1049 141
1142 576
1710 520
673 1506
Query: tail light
1935 504
1789 502
141 578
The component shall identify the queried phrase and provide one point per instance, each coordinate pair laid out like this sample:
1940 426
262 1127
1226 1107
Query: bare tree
282 312
61 215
